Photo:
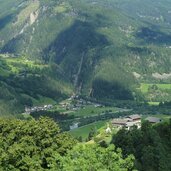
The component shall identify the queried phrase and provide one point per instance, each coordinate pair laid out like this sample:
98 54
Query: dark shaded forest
151 146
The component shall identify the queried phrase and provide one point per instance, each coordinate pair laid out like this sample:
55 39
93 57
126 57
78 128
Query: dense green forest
151 146
40 145
27 83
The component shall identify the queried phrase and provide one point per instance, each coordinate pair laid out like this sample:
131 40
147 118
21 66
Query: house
108 130
134 118
127 122
153 120
74 126
27 110
131 124
119 123
97 105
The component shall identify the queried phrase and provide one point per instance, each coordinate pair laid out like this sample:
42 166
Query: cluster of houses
29 110
127 121
132 120
79 103
69 106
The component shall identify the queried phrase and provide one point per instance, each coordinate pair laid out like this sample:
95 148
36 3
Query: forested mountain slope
27 83
104 48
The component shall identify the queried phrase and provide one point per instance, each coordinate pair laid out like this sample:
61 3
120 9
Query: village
75 105
29 110
133 120
126 122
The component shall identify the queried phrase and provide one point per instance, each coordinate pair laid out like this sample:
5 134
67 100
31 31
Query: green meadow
145 87
91 110
84 130
156 93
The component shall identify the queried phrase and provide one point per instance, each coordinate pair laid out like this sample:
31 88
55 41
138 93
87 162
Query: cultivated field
84 130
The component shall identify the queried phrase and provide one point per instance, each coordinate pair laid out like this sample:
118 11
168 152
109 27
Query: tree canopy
91 157
39 145
32 145
151 146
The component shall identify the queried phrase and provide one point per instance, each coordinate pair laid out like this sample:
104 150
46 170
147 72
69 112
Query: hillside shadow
5 20
78 38
153 36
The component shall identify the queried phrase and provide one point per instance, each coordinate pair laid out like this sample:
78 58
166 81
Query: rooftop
153 119
136 116
119 121
129 124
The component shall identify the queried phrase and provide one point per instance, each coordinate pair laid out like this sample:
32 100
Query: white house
127 122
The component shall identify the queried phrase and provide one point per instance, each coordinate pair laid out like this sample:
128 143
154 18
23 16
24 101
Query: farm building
127 122
153 120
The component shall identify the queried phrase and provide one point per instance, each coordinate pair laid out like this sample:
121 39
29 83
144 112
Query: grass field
43 101
153 103
91 110
144 87
84 130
